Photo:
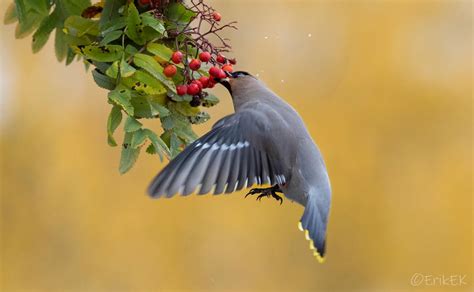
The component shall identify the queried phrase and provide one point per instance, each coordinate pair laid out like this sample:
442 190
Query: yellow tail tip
300 226
312 247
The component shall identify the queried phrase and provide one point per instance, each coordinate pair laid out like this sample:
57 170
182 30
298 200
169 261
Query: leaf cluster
127 47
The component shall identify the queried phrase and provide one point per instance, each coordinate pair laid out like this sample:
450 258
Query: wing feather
265 171
227 158
234 170
252 168
243 168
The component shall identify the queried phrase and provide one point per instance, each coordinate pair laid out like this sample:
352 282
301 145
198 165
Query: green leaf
159 145
87 65
143 82
116 24
134 25
107 53
126 70
141 106
101 66
180 98
70 56
210 100
157 108
161 51
111 36
111 12
180 124
139 138
25 28
71 41
72 7
186 134
10 14
102 80
179 13
115 117
175 97
60 45
131 50
79 26
129 154
148 19
145 107
113 70
175 145
161 99
20 10
167 122
64 9
186 109
40 6
122 98
151 149
192 51
151 66
132 125
41 36
179 16
166 137
151 35
200 118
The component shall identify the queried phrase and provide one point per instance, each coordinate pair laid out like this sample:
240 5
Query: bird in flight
264 142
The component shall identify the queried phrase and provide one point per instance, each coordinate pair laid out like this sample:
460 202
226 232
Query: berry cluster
194 86
155 57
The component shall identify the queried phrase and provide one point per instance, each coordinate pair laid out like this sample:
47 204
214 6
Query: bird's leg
267 192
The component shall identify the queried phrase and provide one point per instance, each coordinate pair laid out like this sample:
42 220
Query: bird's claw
254 191
277 197
265 193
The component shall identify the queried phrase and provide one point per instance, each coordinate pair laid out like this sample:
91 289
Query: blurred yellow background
385 88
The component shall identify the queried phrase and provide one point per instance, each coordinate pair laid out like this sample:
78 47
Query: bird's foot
266 192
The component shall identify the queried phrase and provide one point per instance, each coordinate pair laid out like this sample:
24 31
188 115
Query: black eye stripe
238 74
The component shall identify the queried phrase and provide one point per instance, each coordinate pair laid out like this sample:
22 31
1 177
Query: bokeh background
385 88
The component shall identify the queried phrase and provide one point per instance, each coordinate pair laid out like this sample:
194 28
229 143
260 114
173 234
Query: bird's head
237 81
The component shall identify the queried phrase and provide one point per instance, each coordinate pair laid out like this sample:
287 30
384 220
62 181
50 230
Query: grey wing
228 158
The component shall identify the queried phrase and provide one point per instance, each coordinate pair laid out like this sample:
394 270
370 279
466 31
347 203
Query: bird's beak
221 80
225 81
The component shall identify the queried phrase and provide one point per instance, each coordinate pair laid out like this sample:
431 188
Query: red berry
212 83
144 2
193 89
182 89
205 56
170 70
227 68
220 59
204 81
195 64
198 83
217 16
233 61
177 57
222 74
214 71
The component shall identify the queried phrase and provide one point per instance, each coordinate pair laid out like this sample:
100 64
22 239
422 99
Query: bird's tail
313 224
